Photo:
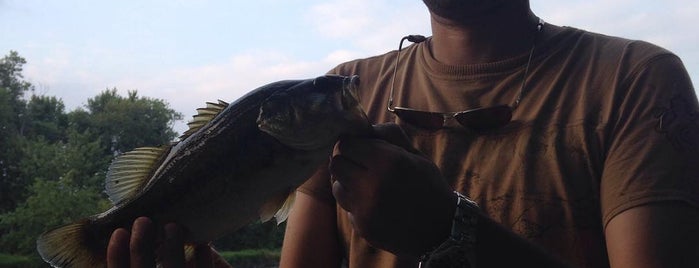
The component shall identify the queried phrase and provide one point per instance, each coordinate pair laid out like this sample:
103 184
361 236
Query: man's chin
466 10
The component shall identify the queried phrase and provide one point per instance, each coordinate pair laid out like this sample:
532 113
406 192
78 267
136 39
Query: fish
236 163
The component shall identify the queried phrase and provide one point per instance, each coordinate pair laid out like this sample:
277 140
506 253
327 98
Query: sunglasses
478 119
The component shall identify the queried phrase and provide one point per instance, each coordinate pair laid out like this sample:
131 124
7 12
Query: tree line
53 162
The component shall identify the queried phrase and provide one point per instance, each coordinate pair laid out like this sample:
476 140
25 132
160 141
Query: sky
187 52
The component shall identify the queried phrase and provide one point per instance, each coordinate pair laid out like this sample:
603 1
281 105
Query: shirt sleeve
653 145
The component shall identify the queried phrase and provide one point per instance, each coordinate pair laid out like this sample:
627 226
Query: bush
260 235
52 203
252 258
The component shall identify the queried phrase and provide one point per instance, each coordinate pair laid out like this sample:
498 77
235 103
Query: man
596 168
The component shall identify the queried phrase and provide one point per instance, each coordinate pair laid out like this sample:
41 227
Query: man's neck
499 36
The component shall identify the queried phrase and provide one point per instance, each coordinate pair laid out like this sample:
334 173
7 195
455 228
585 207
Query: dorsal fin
278 207
130 171
204 116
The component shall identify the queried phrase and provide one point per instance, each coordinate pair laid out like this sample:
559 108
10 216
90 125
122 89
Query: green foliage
53 163
12 261
11 184
51 203
252 257
45 117
7 114
11 74
13 83
125 123
258 235
12 88
79 159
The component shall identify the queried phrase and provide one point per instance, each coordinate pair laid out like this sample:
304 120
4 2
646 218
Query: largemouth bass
236 163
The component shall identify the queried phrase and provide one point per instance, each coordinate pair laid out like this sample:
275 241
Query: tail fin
79 245
67 246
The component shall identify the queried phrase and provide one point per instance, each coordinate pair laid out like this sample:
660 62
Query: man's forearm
495 246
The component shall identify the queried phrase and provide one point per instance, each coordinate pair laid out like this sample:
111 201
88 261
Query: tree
65 162
124 123
12 107
52 203
46 118
12 81
66 183
79 160
53 163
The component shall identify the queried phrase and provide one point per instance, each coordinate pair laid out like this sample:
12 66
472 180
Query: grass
252 258
248 258
11 261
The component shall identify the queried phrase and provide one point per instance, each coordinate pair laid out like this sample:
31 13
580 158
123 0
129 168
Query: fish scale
237 163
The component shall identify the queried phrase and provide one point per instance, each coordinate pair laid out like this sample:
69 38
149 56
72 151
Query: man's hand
396 198
139 248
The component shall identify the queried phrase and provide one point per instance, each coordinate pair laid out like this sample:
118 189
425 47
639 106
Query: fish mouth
350 88
345 95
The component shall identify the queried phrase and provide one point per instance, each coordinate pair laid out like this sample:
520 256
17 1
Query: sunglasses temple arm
393 78
411 38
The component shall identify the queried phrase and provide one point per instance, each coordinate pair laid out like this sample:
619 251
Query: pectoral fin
278 207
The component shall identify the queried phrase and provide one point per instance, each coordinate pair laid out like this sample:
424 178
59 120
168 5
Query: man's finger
341 196
118 249
142 244
352 149
345 169
367 153
203 257
395 135
172 249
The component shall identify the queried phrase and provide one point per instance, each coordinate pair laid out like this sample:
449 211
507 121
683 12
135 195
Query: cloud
669 24
187 88
73 76
339 19
369 27
627 18
343 30
364 27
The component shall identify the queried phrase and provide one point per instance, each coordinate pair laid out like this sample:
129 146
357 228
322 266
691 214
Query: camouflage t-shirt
605 124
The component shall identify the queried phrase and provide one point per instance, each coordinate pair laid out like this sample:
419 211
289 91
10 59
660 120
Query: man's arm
398 201
311 235
497 246
654 235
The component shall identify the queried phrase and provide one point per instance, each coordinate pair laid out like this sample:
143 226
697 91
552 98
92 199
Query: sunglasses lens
420 119
485 118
